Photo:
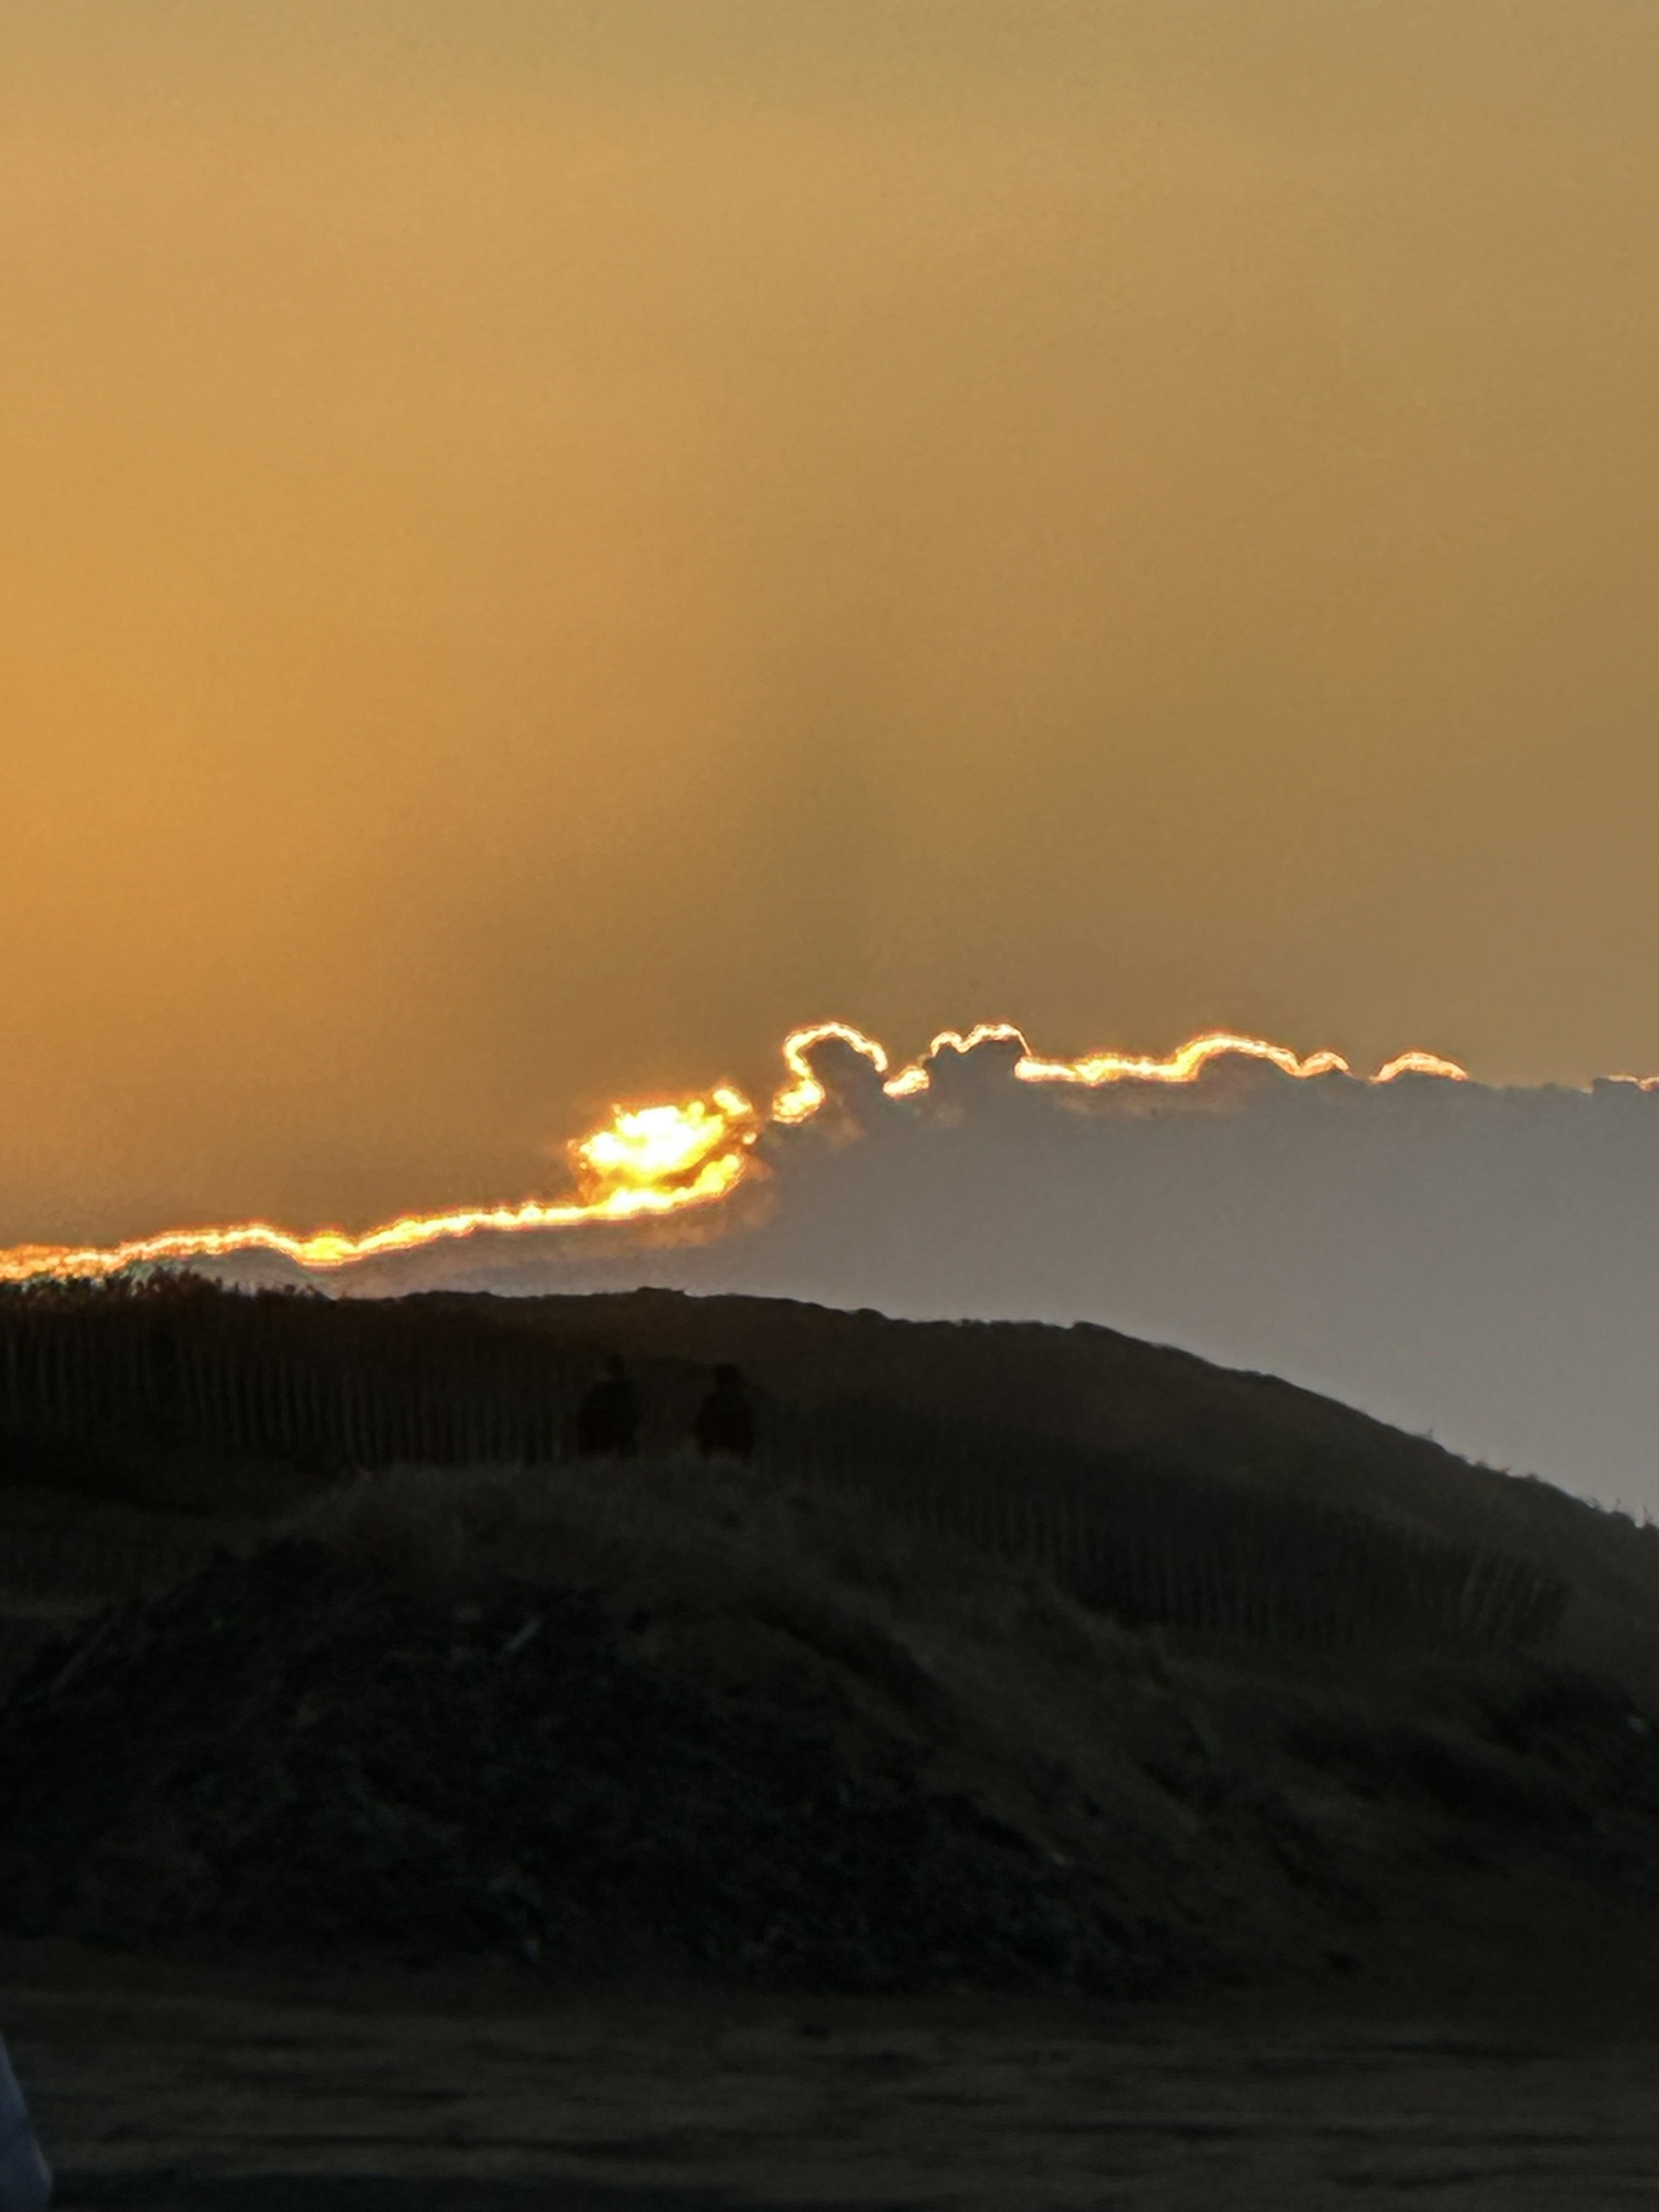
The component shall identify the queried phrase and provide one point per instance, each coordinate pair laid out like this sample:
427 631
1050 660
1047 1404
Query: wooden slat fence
1154 1543
308 1380
296 1379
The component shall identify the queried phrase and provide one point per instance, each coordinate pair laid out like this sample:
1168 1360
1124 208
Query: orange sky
543 545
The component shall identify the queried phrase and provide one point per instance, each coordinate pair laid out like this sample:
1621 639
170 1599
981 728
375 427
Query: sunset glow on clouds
656 1159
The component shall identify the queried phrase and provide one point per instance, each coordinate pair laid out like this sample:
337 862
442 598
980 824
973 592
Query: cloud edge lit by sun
667 1156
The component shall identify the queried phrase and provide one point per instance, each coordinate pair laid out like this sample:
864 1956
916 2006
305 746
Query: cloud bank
1479 1262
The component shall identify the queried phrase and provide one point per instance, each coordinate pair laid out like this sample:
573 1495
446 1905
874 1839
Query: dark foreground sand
158 2087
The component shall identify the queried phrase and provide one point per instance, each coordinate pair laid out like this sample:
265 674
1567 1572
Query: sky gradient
546 544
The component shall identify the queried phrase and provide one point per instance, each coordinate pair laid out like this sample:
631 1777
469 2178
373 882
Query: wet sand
161 2087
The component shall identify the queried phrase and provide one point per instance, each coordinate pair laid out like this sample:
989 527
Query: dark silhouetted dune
1015 1657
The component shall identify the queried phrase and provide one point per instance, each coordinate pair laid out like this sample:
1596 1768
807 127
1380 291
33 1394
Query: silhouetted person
608 1418
726 1420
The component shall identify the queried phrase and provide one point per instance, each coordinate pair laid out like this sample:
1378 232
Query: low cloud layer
1480 1262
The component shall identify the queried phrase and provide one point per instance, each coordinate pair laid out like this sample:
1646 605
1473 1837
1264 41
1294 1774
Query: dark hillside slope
663 1719
179 1397
1016 1657
1111 1393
